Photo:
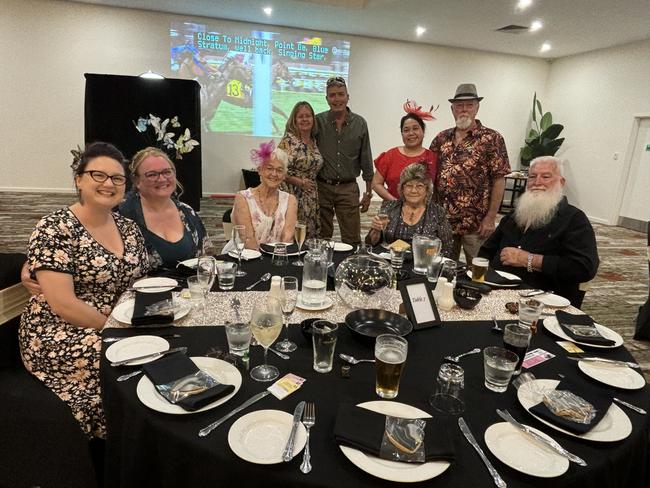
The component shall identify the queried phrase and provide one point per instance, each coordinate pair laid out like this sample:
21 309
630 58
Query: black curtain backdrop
114 102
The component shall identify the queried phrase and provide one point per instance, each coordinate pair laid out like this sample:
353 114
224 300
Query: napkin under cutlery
585 323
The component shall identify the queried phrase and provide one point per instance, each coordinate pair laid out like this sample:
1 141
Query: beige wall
47 46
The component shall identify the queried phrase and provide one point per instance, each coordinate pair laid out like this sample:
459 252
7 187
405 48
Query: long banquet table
150 449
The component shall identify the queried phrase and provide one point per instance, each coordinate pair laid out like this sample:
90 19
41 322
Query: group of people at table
83 257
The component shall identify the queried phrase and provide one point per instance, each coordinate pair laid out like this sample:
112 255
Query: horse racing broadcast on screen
251 79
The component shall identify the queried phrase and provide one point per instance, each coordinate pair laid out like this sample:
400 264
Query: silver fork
308 420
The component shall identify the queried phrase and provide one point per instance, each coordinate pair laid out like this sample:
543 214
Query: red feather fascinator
411 107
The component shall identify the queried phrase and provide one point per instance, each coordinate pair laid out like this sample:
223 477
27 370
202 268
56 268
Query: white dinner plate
327 303
614 426
135 346
551 324
615 375
259 437
246 255
393 470
520 451
552 300
503 274
124 311
160 284
342 246
222 371
190 263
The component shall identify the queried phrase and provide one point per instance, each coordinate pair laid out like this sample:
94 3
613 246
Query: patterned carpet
615 295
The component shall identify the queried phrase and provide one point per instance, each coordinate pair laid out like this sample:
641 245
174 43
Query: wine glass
300 233
266 325
289 298
383 216
208 248
206 273
239 238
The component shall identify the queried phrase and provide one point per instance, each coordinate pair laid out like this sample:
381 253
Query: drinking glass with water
323 333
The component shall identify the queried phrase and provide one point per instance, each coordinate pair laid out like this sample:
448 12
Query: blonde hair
145 153
291 121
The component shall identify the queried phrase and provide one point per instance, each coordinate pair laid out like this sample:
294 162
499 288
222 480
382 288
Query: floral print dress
305 161
65 357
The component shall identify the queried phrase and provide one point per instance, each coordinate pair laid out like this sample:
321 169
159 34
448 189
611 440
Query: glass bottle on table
289 298
300 234
239 239
266 325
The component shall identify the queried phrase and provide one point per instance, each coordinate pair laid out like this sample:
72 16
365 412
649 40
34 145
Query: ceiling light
419 30
524 4
268 11
150 75
545 47
536 25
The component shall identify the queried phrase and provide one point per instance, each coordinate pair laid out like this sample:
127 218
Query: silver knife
609 361
152 355
206 430
505 415
287 454
470 438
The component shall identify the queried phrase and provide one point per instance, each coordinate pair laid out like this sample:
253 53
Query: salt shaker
446 300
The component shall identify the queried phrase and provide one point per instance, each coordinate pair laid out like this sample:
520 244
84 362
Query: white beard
464 122
535 209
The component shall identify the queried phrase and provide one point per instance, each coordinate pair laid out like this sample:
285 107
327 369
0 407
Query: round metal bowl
367 324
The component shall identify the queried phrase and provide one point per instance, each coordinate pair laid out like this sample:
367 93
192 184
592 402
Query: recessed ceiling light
524 4
419 30
545 47
535 25
268 11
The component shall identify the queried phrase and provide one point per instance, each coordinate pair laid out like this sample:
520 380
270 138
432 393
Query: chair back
251 178
227 224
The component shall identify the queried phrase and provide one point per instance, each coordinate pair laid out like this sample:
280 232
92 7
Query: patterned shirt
467 172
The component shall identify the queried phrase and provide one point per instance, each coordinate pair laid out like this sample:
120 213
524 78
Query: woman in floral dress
305 161
84 257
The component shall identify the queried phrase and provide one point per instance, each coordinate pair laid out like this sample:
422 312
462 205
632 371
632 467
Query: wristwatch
529 263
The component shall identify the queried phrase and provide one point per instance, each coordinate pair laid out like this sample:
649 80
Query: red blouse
391 163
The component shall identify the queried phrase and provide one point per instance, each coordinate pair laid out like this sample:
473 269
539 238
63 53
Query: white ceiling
571 26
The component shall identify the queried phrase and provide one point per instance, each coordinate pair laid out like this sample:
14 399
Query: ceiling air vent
513 29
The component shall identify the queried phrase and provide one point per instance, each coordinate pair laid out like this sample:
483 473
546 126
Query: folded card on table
364 430
581 328
177 366
144 300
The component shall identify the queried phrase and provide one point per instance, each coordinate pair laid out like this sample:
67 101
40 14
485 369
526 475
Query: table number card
419 303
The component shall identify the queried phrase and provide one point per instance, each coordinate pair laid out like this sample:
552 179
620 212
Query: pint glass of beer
479 269
390 356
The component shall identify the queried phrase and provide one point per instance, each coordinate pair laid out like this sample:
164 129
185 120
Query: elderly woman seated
414 213
267 213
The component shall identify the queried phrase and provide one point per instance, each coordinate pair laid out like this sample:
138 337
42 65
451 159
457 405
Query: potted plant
542 138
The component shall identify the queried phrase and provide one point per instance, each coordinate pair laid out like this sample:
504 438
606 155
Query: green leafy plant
542 138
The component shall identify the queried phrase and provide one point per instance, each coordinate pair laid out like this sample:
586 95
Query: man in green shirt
345 145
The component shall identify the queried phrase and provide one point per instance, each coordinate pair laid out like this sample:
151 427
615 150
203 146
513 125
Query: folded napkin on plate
176 366
268 248
364 430
142 301
600 398
588 332
179 273
493 277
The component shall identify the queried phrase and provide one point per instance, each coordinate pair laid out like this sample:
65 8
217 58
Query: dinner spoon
496 327
265 277
454 359
353 360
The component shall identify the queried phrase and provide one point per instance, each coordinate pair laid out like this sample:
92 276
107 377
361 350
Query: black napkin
567 319
268 248
176 366
142 301
364 430
180 274
600 398
491 276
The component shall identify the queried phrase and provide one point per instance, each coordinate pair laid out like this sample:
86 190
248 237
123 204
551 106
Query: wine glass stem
266 351
239 258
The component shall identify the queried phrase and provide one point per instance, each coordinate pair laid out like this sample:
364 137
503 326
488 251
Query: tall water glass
425 249
323 334
239 238
390 357
280 254
266 325
206 273
300 233
530 311
289 287
314 278
516 338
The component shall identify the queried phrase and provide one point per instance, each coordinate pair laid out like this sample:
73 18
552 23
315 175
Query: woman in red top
390 164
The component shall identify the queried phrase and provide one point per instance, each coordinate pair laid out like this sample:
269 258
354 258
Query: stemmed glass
206 273
239 238
300 233
383 216
266 325
208 247
289 299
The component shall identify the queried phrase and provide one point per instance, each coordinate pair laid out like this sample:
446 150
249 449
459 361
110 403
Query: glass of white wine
383 217
266 325
239 238
289 299
300 234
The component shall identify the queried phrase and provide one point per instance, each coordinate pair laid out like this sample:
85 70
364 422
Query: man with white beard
547 242
472 162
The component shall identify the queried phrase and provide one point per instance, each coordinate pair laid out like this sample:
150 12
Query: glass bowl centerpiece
363 281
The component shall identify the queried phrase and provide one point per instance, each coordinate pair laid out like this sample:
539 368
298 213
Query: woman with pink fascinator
267 213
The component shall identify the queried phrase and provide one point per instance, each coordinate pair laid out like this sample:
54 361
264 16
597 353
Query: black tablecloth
151 449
